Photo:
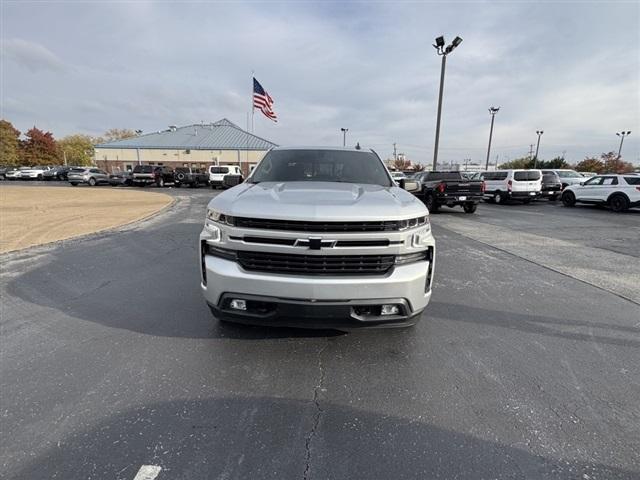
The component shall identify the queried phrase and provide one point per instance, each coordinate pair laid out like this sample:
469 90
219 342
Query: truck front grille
302 226
316 264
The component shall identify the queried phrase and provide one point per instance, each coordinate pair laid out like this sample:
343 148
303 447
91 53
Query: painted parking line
147 472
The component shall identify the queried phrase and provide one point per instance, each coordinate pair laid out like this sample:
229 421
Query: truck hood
318 201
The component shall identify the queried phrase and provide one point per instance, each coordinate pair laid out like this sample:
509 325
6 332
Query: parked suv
318 237
193 177
501 186
56 173
151 174
551 186
89 175
619 192
450 189
567 176
218 172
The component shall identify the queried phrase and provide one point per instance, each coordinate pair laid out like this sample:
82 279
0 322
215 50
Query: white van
501 186
218 172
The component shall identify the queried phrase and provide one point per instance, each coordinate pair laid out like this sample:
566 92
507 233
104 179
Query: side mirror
581 183
409 185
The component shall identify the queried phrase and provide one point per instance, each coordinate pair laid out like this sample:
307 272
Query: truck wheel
499 198
74 184
568 199
160 182
92 182
619 203
470 207
39 177
431 203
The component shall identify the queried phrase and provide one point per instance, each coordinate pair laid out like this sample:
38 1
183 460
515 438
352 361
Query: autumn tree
114 134
76 149
39 148
9 144
590 164
401 164
614 164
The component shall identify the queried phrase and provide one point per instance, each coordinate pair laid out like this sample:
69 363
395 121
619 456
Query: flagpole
253 108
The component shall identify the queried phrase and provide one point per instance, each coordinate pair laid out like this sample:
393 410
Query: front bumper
317 301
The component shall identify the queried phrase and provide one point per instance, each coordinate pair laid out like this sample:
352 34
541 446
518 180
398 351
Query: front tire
619 203
499 198
569 199
92 182
470 207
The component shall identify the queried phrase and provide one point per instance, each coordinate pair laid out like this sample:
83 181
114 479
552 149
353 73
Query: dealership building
195 146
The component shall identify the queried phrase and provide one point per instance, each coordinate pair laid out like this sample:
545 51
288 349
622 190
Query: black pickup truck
450 189
193 177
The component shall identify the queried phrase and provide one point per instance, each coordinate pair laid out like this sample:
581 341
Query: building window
160 164
129 168
194 165
186 165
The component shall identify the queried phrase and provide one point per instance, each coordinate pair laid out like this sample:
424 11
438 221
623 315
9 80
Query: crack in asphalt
318 414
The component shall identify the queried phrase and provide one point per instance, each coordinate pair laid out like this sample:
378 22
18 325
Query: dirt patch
36 215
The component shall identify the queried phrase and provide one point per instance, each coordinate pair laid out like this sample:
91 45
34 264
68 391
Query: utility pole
443 52
621 135
344 136
492 112
395 155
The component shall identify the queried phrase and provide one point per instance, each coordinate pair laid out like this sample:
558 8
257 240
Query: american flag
262 101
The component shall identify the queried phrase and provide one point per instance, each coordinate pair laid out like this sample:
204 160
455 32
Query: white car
619 192
33 173
218 172
567 176
397 176
504 185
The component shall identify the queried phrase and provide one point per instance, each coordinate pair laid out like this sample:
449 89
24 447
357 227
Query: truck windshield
321 166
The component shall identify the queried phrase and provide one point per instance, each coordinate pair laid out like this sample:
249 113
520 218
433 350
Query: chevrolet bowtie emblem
315 243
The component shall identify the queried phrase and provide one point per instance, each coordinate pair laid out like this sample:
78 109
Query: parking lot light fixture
622 134
492 112
535 159
443 52
344 136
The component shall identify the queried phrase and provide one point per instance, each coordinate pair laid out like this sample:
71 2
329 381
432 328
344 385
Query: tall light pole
443 52
535 159
492 112
344 136
621 135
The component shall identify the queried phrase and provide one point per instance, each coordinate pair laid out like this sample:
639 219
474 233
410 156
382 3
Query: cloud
32 56
331 65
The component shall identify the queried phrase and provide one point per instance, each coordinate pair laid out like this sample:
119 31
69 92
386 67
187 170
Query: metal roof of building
220 135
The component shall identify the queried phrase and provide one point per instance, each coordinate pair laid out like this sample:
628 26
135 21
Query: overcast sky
571 69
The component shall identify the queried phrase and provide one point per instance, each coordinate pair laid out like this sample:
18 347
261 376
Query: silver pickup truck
318 238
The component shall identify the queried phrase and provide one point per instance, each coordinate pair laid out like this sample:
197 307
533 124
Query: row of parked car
141 175
619 192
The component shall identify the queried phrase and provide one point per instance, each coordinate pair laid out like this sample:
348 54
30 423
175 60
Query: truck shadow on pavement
550 326
146 281
266 437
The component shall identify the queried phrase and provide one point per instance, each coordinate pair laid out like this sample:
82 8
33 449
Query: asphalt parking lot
524 365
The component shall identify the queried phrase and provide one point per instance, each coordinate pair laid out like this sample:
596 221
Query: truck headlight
422 238
216 216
